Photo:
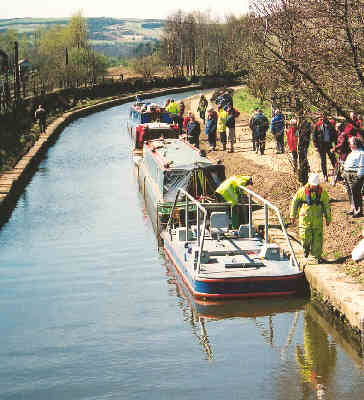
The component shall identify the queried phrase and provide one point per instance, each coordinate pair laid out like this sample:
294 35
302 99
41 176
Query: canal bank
13 181
345 298
340 294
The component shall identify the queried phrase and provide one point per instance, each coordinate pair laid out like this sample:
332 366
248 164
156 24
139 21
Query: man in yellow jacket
221 125
311 204
230 191
173 109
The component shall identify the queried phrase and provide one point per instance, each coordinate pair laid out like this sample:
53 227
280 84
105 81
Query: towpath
339 282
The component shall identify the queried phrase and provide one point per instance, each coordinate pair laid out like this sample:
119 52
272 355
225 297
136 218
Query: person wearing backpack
230 126
260 126
277 129
202 107
210 128
251 119
323 137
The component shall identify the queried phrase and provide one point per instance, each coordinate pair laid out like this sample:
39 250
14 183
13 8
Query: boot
224 146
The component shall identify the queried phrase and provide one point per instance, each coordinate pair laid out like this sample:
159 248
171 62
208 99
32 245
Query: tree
147 66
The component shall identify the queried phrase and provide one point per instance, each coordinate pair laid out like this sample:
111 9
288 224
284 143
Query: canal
91 310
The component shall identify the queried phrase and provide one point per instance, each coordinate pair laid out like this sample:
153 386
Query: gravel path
274 179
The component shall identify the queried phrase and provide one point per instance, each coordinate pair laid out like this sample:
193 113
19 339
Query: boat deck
232 257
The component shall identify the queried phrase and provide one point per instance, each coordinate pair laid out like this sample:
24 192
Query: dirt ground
274 179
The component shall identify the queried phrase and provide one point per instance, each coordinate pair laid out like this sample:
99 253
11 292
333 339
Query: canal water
91 310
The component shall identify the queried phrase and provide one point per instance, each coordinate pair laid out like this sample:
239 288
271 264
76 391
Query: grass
246 103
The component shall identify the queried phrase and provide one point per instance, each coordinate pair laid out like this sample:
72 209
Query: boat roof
157 125
179 153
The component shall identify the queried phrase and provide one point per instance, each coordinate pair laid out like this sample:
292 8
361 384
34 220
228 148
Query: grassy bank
246 103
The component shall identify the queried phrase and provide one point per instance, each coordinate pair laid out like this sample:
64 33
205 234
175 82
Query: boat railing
200 232
267 205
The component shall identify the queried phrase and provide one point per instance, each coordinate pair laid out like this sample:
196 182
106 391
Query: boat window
166 133
173 180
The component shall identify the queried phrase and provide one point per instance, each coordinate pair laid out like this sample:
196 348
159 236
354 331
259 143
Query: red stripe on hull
226 295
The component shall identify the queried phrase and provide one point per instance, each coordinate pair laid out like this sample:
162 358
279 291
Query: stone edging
13 181
344 296
341 294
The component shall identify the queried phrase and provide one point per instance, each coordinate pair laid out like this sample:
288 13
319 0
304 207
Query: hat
314 179
293 121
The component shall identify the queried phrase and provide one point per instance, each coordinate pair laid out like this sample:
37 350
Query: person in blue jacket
210 128
277 130
193 131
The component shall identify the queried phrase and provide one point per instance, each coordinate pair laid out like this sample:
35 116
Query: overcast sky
115 8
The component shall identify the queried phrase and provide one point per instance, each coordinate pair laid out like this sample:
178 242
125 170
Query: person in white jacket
354 177
358 251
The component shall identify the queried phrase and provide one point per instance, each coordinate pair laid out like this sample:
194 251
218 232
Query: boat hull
231 288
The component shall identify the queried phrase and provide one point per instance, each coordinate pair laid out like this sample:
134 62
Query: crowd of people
218 125
342 141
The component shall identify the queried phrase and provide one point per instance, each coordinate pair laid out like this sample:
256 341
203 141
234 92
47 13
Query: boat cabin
153 130
174 164
142 113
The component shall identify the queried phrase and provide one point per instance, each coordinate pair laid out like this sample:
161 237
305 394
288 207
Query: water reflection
316 358
260 311
301 340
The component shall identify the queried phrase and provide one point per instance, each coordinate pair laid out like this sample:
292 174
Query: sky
116 8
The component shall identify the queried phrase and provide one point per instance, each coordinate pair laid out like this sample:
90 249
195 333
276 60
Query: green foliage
245 102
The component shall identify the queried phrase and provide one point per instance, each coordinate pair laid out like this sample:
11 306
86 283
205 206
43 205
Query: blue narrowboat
216 262
149 121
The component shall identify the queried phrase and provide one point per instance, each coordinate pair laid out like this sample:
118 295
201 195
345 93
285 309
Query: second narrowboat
168 165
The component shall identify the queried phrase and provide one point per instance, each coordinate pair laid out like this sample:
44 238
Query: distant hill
112 36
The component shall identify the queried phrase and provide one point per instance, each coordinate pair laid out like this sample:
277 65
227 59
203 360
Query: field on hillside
112 36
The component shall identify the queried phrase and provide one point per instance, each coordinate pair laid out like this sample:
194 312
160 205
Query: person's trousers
212 139
223 139
323 150
254 141
279 138
260 142
311 239
294 159
231 137
353 186
42 125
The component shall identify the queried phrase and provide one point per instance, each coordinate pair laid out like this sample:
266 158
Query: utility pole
17 75
66 66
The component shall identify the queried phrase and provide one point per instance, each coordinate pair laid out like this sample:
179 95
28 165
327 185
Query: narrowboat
216 262
149 121
170 164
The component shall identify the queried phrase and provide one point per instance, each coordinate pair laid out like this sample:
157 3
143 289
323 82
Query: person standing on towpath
230 126
311 204
40 115
260 126
277 129
210 128
323 137
202 106
193 131
221 125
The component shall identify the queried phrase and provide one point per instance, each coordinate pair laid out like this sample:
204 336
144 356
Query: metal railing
267 204
200 233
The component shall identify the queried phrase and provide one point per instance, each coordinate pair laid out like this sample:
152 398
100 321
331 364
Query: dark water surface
89 309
